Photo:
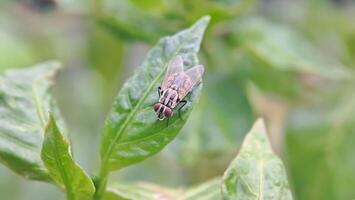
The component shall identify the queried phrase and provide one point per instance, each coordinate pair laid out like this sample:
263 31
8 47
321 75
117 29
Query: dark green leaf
56 155
132 132
256 173
24 103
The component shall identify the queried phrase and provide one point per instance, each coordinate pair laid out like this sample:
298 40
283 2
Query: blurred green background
291 62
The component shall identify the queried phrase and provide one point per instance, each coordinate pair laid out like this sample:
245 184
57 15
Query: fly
176 85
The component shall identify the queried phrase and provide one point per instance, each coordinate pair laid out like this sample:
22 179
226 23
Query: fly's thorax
169 98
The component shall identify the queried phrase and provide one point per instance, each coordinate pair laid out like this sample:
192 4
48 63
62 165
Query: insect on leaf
24 101
132 132
56 155
256 173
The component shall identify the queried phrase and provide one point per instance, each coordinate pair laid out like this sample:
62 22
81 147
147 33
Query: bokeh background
291 62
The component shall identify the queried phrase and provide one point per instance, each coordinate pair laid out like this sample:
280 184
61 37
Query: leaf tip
259 125
51 69
56 66
259 132
49 121
206 19
202 23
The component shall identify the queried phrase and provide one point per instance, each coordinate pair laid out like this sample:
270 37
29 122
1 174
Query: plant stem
102 182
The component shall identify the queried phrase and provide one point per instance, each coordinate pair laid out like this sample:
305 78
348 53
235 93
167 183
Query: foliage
256 173
131 132
290 62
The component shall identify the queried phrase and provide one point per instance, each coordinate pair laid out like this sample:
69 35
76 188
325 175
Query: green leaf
256 173
24 102
209 190
132 132
56 155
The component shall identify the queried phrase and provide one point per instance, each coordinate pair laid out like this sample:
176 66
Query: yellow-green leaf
256 173
56 155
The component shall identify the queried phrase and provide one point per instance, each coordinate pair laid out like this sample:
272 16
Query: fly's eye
156 107
168 112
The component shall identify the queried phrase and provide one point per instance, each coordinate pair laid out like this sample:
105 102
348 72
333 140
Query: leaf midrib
38 102
39 109
261 179
261 171
146 137
62 170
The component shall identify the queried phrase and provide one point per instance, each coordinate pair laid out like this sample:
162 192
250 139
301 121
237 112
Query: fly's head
162 111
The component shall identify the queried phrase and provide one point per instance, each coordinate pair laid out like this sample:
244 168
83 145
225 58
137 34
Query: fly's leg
183 103
159 91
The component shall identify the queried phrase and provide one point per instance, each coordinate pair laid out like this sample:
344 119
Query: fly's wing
175 66
194 76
